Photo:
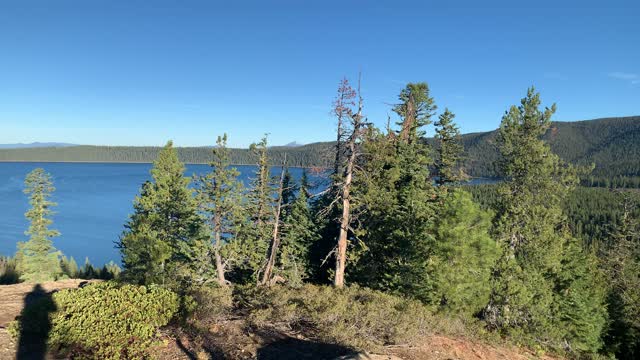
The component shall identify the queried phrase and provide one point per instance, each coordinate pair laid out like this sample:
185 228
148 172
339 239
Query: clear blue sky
129 72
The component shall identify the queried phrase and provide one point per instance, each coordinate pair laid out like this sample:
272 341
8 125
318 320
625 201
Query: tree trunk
345 220
275 239
216 250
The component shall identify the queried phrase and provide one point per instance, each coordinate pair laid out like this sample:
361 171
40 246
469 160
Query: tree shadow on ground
289 348
35 324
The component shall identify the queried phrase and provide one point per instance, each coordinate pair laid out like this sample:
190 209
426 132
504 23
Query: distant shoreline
136 162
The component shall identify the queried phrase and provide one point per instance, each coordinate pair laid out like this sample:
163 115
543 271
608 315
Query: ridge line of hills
612 144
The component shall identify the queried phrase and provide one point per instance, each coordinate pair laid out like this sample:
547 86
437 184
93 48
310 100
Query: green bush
106 320
8 271
356 317
212 303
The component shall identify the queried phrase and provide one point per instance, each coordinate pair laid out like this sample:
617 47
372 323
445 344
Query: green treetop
449 148
416 108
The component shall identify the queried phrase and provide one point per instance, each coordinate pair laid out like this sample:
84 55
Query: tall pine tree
256 236
219 195
395 188
38 259
165 229
538 271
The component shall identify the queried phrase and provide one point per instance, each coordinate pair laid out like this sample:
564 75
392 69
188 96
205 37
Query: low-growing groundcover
355 317
101 321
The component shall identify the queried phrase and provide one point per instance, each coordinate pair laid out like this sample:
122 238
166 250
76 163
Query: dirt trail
12 298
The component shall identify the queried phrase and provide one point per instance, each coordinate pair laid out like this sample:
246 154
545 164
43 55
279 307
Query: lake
94 202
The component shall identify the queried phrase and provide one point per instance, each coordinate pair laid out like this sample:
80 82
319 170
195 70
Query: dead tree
356 122
275 238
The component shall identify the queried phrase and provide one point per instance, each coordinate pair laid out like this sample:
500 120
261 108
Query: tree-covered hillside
316 154
612 144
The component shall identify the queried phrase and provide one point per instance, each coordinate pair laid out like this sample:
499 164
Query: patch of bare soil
232 340
13 299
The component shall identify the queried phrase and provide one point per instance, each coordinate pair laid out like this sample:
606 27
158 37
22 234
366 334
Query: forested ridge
612 144
393 249
316 154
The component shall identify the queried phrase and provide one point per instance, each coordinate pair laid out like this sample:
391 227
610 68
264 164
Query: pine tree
580 300
449 148
274 246
219 196
395 187
38 259
256 236
69 267
529 288
416 108
343 181
622 265
289 190
165 229
299 233
464 254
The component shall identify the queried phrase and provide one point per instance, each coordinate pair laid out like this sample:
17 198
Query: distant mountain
293 144
35 145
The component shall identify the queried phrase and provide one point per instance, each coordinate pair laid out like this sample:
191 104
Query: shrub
213 303
106 320
8 271
356 317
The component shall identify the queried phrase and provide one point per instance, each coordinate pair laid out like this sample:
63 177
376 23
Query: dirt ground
12 300
232 340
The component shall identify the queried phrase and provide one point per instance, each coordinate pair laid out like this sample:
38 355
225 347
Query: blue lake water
94 202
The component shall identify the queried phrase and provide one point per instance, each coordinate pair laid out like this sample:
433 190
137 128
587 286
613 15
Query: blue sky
130 72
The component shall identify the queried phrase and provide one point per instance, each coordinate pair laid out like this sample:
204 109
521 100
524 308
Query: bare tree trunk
216 250
409 121
341 254
275 239
345 220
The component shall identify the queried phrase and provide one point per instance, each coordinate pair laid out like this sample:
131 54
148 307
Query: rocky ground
232 340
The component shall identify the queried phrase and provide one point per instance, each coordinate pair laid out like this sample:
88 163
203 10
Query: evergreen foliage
395 187
449 149
260 215
220 199
464 254
622 264
298 234
165 229
38 260
538 272
103 321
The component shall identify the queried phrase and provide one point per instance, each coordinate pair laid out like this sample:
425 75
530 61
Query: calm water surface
94 201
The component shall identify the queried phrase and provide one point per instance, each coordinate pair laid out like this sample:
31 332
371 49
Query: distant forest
612 144
317 154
